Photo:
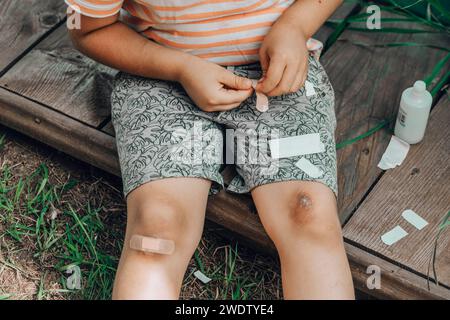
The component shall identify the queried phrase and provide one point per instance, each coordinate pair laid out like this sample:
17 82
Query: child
189 64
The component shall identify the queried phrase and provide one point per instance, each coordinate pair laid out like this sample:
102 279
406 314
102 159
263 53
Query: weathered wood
59 131
420 184
396 282
57 75
25 23
368 82
109 129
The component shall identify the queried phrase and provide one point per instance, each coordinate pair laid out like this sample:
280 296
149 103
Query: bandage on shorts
161 133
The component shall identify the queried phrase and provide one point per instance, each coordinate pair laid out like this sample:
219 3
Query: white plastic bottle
412 118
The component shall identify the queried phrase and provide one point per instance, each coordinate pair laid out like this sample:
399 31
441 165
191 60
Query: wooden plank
59 131
396 282
368 82
420 184
109 129
57 75
24 22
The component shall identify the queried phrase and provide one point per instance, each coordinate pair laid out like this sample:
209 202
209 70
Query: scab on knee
302 208
152 245
304 201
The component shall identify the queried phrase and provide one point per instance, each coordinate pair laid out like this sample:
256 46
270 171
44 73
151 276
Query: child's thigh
171 208
160 133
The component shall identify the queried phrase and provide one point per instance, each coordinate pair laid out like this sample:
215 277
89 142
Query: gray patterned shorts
161 133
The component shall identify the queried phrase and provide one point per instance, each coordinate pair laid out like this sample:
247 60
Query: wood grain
396 282
22 24
421 184
109 129
57 75
59 131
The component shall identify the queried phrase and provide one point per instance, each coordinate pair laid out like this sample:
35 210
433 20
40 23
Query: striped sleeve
96 8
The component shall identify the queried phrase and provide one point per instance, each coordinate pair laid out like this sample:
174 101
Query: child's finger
230 96
290 73
273 75
234 81
301 78
264 62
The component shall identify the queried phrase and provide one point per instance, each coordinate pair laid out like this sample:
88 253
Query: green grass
32 213
232 279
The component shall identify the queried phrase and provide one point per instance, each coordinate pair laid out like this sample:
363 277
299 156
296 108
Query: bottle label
402 116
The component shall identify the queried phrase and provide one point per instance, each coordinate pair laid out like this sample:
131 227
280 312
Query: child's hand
284 60
212 87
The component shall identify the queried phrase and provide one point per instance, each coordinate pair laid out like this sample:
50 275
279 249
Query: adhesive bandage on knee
152 245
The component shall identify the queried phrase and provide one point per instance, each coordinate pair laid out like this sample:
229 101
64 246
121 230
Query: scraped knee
313 217
302 209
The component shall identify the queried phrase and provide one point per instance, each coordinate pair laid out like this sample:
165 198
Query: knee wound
152 245
304 201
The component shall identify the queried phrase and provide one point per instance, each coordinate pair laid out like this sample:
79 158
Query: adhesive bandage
309 168
413 218
202 277
152 245
394 155
296 146
262 102
394 235
315 47
309 89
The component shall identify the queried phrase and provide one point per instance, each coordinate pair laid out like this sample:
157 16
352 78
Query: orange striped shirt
227 32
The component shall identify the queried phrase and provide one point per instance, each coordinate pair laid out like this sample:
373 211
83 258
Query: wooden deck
55 95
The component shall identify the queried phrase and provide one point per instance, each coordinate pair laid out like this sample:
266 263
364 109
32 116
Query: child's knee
313 218
157 218
308 217
162 218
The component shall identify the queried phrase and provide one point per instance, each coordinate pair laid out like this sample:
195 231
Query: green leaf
440 84
445 222
437 69
381 125
399 44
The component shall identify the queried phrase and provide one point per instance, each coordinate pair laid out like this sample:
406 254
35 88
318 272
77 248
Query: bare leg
172 209
301 219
